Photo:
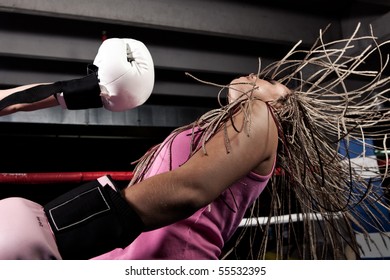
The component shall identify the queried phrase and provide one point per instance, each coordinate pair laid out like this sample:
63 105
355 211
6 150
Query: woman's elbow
196 193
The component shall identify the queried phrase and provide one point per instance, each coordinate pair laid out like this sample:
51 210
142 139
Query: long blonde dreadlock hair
324 115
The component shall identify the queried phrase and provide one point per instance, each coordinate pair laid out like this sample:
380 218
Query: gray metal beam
381 26
143 116
222 18
58 47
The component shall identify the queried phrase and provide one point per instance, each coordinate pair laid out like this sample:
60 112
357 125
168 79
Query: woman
229 173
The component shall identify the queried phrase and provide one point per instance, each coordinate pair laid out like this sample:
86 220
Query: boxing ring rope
282 219
61 177
79 177
64 177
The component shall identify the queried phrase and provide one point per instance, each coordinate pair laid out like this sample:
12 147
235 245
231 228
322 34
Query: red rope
66 177
61 177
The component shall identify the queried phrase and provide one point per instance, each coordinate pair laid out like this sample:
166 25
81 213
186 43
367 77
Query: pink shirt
202 235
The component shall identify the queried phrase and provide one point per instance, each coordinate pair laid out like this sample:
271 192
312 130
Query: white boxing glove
124 80
125 72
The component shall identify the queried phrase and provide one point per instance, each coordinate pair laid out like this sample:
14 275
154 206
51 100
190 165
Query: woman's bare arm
169 197
46 103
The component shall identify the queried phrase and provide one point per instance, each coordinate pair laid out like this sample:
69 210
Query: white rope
247 222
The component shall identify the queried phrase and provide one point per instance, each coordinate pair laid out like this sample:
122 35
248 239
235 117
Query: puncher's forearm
46 103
